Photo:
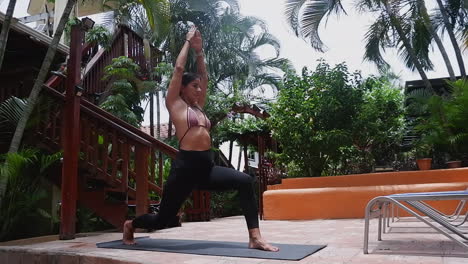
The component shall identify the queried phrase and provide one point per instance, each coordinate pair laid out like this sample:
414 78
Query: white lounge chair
414 203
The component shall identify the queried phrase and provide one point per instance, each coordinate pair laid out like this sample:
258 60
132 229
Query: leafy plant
444 121
312 117
127 90
230 129
10 113
100 35
331 121
23 172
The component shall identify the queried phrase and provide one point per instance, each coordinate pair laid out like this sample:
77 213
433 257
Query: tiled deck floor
343 237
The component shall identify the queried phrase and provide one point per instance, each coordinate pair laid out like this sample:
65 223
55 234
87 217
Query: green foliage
11 111
88 221
444 120
100 35
223 204
67 30
23 172
330 121
378 126
230 129
220 105
127 90
312 117
122 68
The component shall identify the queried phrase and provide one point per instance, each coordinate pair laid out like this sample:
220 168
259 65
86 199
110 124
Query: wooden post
141 170
261 175
71 136
246 158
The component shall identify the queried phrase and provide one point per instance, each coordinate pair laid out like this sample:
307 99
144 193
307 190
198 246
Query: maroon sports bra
192 120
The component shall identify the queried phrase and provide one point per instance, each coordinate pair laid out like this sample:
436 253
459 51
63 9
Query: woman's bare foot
256 241
128 231
262 245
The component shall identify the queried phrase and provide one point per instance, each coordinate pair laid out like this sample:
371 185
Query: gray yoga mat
215 248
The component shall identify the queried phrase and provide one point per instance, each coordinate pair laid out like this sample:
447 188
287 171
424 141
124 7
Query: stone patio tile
343 237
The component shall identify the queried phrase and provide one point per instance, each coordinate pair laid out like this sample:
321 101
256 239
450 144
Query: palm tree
423 15
6 29
458 11
230 41
33 96
396 22
305 16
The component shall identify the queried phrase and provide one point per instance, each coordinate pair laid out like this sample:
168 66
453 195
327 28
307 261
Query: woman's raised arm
197 45
173 93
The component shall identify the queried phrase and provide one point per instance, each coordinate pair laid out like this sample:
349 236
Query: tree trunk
438 41
240 157
6 30
147 50
33 96
246 160
152 114
158 116
408 46
453 39
231 144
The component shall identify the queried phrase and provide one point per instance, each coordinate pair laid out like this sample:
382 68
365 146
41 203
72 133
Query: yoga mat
215 248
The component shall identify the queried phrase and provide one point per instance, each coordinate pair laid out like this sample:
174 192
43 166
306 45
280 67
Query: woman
193 167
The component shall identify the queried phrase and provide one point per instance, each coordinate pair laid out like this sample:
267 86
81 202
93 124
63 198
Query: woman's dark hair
189 77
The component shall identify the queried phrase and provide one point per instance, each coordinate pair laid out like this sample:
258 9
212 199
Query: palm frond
291 11
312 15
158 14
377 39
11 111
265 39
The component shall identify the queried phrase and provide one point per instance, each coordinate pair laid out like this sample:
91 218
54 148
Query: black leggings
195 169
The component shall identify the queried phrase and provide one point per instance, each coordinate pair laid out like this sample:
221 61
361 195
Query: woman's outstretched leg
176 190
222 178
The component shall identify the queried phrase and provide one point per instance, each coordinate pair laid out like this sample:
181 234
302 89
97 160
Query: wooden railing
127 159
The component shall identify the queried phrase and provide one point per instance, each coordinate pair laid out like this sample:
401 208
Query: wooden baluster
85 137
141 169
125 164
161 170
105 154
94 145
152 166
114 159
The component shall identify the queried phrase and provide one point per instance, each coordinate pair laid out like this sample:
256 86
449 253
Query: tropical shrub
312 118
23 172
443 121
127 90
331 122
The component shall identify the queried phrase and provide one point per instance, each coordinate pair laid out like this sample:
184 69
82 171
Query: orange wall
371 179
342 202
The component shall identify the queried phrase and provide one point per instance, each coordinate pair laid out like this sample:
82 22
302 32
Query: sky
342 35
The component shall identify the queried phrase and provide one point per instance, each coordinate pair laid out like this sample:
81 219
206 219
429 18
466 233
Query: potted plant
454 160
423 156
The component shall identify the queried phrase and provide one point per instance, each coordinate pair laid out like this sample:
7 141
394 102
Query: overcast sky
343 37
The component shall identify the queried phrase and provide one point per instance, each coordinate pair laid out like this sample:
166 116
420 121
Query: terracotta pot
424 164
453 164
